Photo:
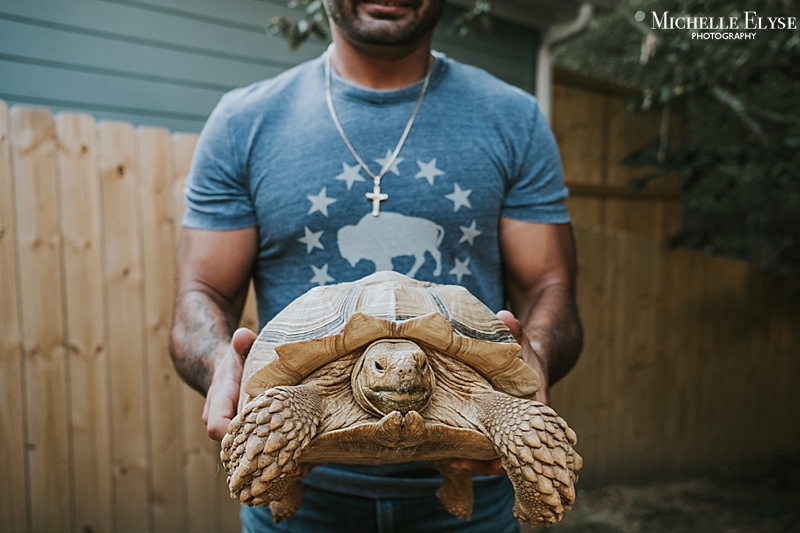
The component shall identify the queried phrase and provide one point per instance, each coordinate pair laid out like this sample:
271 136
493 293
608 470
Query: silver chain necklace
376 197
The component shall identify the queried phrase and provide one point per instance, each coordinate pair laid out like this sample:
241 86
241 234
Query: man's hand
223 395
529 355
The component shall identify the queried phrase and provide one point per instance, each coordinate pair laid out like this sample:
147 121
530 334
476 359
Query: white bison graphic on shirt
382 238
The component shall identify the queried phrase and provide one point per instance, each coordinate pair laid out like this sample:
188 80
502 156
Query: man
301 181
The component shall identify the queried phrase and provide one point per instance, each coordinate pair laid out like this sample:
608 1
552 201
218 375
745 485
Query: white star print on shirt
321 276
320 202
311 240
384 160
469 233
459 197
350 175
428 170
461 269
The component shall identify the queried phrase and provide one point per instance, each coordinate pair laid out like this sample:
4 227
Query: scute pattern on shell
328 322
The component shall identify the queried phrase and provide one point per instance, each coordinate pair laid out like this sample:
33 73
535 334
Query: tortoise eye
378 366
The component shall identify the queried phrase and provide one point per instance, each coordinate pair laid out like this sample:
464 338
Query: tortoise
388 369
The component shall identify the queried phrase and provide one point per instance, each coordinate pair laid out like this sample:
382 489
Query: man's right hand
212 275
222 398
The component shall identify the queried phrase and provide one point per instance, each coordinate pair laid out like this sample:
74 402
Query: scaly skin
265 441
535 445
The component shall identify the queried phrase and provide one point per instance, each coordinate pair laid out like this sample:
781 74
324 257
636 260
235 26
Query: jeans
329 512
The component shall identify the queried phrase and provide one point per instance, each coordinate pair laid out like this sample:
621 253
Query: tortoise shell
331 321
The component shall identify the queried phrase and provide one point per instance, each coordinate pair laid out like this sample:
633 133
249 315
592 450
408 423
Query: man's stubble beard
386 34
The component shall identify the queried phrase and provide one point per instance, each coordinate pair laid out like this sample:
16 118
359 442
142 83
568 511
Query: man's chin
382 32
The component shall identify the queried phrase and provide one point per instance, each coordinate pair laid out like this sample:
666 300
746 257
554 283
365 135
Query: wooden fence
690 361
98 432
595 132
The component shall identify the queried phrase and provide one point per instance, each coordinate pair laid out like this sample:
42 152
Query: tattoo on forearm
200 333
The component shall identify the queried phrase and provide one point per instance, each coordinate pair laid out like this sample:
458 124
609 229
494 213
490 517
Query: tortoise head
393 375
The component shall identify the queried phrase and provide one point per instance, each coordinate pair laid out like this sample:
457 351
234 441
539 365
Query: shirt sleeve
216 192
537 192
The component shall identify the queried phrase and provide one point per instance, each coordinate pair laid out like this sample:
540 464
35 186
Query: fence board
611 342
621 140
182 146
79 183
46 371
182 149
124 289
634 356
13 490
719 348
198 450
155 188
580 133
691 277
577 126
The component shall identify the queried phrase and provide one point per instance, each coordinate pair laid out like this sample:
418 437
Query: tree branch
774 116
650 40
738 107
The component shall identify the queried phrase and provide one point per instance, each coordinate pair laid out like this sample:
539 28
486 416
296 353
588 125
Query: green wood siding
167 62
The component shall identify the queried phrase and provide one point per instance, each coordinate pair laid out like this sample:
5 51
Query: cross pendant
376 196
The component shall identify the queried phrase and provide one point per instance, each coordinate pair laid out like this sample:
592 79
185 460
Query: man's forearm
552 325
201 333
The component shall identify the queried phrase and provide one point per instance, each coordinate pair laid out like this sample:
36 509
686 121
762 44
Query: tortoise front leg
535 445
264 443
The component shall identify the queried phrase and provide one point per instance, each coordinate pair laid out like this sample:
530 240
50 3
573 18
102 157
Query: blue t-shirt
271 157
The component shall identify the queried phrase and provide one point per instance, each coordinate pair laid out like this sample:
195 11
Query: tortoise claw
395 430
414 430
389 430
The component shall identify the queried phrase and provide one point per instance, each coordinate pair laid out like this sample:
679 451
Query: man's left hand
529 355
